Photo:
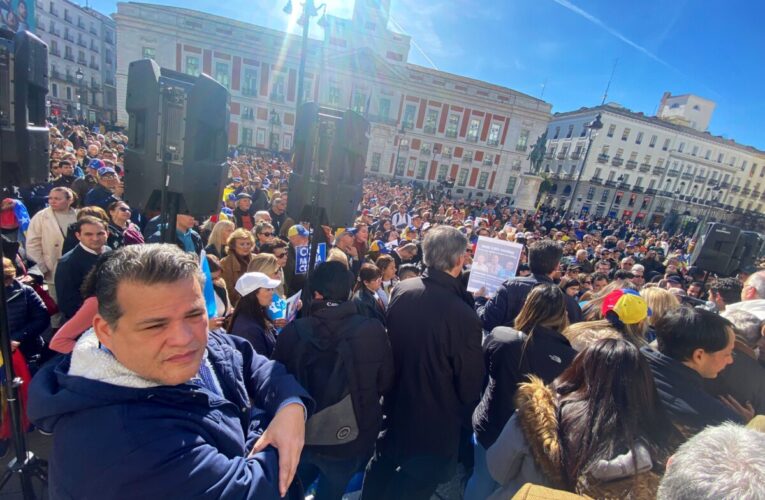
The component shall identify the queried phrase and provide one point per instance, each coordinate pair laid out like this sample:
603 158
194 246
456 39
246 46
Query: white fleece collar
91 362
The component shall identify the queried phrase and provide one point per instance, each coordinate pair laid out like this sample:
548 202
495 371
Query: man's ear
103 331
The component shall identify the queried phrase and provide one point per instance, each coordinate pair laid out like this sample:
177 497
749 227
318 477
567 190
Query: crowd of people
606 366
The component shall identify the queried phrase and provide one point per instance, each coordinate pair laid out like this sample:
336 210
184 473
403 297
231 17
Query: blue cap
106 171
96 164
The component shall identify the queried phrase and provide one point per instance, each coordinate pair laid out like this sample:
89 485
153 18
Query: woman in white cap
250 319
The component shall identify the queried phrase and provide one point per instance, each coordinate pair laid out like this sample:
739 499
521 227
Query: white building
82 42
427 125
687 109
644 168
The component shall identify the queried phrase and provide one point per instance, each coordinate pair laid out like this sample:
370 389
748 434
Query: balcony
596 180
637 189
94 65
756 194
68 37
623 185
673 173
645 167
610 184
109 81
746 192
69 57
603 158
724 185
55 52
249 116
659 209
82 43
94 48
562 155
711 180
701 179
425 151
687 176
736 189
109 40
93 31
549 155
616 161
54 74
81 60
95 87
467 159
576 155
515 168
631 165
659 170
68 19
650 191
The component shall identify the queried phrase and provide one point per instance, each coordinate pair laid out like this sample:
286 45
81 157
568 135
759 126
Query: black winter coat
508 363
502 309
367 305
373 366
70 273
436 339
27 318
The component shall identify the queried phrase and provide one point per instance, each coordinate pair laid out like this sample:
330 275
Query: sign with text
302 257
494 262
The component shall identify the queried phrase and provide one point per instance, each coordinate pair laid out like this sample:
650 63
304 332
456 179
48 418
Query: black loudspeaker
179 122
715 250
330 151
747 250
23 87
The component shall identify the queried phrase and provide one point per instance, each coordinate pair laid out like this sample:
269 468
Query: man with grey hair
744 379
152 405
752 296
723 462
436 339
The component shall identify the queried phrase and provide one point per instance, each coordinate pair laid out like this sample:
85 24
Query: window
376 162
625 134
557 133
652 142
333 95
570 131
647 159
639 182
467 156
639 139
452 125
604 195
584 131
695 150
248 113
660 162
431 119
462 178
409 112
400 165
192 65
442 172
591 193
250 86
652 184
54 90
523 140
261 137
611 130
69 93
422 169
247 136
425 148
633 156
494 134
222 75
148 53
511 185
359 102
681 147
383 108
488 160
482 179
708 154
666 145
472 134
287 142
277 88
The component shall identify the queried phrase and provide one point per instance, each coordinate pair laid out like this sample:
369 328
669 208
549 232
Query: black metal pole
304 51
579 177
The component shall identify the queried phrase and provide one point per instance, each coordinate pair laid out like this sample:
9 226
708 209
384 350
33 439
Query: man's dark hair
408 268
603 262
598 277
621 274
270 247
333 281
88 219
728 288
544 256
683 330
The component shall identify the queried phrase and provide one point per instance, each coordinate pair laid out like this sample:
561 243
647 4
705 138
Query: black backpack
328 376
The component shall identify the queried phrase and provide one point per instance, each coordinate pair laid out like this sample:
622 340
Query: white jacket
45 240
756 307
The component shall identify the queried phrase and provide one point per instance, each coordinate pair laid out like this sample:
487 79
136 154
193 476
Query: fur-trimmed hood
629 475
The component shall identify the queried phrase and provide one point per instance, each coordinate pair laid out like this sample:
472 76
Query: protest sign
302 257
292 304
493 263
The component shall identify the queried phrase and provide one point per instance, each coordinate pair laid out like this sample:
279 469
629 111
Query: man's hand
286 433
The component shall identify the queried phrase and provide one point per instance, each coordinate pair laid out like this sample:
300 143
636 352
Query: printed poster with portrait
18 15
494 262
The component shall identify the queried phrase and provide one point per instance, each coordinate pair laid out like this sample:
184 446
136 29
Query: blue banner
302 257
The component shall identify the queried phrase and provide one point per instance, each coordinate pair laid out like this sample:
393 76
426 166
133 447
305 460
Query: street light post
594 126
619 180
309 10
79 75
672 207
273 121
401 139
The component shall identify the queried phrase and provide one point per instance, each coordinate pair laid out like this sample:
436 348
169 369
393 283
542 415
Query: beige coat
45 239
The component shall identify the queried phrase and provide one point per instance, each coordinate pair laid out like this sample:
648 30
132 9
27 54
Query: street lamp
672 207
401 140
309 10
273 120
593 127
79 75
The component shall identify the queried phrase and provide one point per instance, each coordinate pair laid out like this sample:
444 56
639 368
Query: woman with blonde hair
535 347
234 265
660 301
218 240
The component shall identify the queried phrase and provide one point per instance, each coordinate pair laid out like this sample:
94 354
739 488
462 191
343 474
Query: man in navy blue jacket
151 405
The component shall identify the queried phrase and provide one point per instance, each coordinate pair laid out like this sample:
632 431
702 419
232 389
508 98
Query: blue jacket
99 196
27 317
117 435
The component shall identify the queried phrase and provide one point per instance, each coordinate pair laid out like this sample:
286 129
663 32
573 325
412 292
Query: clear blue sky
715 49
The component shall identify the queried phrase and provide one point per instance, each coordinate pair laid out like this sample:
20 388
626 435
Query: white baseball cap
250 282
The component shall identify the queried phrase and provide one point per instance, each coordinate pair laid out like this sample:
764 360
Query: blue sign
302 257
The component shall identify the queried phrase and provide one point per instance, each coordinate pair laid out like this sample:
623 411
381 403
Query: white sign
494 262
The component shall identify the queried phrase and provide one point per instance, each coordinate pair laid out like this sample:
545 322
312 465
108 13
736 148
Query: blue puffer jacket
117 435
27 317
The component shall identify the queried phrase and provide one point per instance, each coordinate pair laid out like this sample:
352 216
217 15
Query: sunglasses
267 234
124 209
281 255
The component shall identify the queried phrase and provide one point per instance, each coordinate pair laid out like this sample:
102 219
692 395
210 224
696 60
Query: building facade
81 58
647 169
426 125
